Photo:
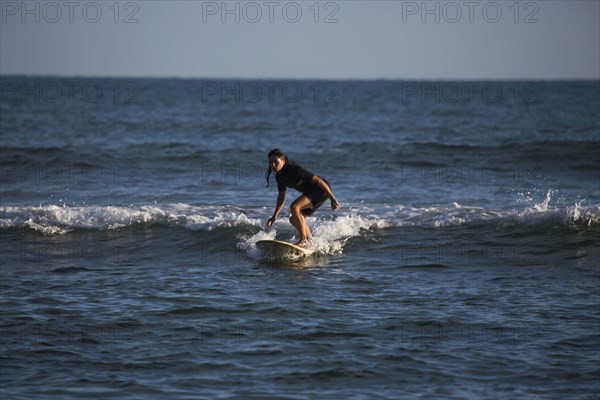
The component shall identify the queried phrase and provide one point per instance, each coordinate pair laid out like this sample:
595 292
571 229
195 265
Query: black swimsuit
294 176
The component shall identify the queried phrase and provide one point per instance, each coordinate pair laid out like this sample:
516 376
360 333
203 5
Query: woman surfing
315 191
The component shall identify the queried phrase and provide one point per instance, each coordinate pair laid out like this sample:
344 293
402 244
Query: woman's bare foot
302 242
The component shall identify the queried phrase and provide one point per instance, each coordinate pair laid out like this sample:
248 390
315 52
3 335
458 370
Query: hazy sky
303 39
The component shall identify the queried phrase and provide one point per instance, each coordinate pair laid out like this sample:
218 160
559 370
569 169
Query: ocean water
464 262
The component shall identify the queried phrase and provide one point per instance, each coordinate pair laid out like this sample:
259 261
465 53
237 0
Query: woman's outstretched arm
278 207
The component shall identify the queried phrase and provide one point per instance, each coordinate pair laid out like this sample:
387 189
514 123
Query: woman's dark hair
274 153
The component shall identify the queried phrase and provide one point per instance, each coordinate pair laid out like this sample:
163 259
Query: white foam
570 215
46 229
329 235
543 206
53 219
249 243
331 231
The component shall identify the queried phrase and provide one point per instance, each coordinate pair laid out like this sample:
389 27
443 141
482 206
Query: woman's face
276 163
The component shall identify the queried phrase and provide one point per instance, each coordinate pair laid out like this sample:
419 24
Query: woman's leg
299 220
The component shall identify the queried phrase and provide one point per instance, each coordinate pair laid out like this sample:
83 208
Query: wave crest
54 219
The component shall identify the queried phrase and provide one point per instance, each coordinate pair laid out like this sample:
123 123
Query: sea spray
329 235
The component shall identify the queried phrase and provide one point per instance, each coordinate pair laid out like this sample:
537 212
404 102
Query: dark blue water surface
464 262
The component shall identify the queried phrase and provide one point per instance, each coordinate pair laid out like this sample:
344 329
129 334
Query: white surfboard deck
277 248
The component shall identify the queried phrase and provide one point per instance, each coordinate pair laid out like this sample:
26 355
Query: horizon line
237 78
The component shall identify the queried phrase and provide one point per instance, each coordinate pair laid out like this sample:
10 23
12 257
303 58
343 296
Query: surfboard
277 248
